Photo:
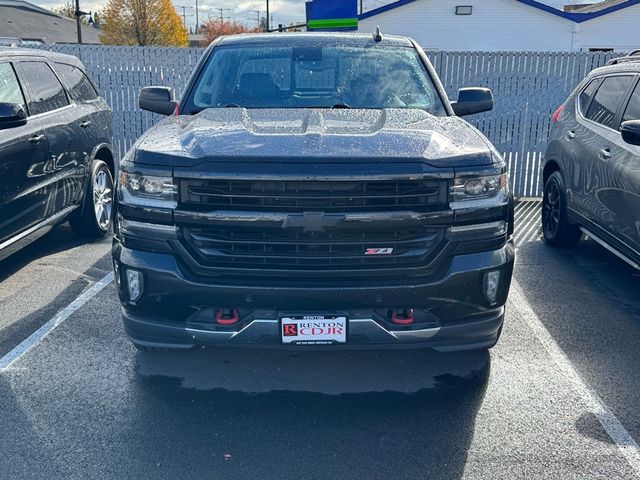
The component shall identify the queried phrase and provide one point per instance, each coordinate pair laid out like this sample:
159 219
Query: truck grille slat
262 195
238 247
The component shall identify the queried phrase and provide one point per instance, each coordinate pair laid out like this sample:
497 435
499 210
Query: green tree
142 22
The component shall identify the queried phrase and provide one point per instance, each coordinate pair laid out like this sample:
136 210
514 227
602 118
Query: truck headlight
147 190
486 190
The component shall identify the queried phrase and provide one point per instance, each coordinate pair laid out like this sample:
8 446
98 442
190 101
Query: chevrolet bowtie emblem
313 221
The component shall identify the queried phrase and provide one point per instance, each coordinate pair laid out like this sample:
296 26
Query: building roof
24 5
23 20
599 6
582 15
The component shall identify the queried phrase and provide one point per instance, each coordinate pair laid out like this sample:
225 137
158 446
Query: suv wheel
94 220
556 228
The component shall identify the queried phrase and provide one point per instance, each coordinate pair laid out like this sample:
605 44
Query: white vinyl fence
527 86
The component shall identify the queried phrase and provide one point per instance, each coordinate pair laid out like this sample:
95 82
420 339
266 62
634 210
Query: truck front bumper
177 310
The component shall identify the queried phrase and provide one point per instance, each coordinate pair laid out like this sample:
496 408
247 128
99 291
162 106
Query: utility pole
222 10
197 19
78 22
257 12
268 21
361 7
184 13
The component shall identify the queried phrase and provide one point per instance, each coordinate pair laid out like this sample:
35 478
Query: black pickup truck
314 190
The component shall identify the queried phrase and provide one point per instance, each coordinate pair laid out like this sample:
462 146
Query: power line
184 13
222 10
257 12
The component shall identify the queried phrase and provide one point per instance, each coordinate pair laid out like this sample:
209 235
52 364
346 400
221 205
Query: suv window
604 106
633 109
45 88
9 87
587 94
80 87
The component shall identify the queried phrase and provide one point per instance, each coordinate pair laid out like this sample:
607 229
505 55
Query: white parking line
625 442
525 223
36 337
614 428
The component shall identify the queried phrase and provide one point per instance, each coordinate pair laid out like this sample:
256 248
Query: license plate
313 330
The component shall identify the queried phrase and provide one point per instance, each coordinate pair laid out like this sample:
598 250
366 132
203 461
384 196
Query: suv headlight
476 192
147 190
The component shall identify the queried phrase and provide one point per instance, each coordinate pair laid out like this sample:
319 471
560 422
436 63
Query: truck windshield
315 77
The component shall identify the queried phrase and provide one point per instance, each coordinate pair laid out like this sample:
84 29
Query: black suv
592 164
56 158
314 189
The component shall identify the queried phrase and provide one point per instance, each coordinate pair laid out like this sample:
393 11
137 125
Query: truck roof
326 38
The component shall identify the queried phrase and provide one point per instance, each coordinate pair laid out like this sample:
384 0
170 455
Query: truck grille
389 247
275 248
305 196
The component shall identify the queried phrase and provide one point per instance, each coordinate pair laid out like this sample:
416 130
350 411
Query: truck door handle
571 134
36 139
85 124
605 153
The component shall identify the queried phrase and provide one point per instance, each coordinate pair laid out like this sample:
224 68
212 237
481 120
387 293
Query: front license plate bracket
313 329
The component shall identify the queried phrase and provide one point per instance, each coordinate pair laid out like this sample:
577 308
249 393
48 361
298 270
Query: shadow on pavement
311 415
18 438
59 239
588 300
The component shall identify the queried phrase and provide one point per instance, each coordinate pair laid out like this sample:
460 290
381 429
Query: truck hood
314 135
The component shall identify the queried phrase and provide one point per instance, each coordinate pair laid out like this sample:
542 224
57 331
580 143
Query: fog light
135 284
491 286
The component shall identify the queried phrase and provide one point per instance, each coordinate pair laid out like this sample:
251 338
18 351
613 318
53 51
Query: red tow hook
227 316
403 318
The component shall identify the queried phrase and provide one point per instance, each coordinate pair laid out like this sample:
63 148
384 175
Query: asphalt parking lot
557 398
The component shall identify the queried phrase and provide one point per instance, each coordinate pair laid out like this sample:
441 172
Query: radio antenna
377 36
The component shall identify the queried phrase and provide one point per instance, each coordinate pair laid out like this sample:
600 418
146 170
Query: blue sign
332 15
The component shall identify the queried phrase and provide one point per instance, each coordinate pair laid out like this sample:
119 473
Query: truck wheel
94 219
556 228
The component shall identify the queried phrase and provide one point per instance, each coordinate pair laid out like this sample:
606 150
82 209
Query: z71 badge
379 251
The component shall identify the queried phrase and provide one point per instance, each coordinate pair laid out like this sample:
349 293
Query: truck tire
94 218
556 228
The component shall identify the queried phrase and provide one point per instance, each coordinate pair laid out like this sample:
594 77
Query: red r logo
290 330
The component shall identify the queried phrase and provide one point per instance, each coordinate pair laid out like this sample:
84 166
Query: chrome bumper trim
359 326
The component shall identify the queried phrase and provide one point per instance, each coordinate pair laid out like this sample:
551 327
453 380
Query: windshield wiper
232 105
341 105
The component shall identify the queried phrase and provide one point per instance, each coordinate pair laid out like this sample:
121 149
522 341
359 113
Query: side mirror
631 132
12 115
473 100
158 100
